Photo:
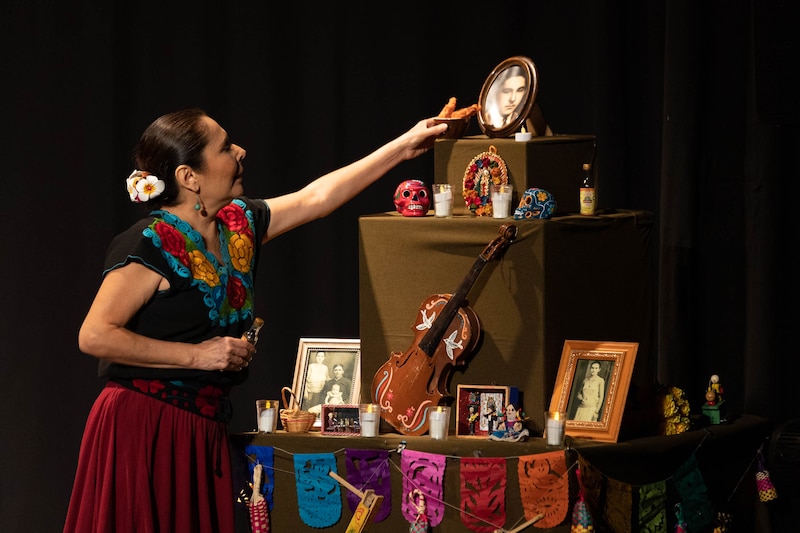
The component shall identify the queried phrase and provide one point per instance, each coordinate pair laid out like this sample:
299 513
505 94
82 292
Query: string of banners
552 489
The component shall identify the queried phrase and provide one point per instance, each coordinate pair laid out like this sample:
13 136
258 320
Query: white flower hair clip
143 186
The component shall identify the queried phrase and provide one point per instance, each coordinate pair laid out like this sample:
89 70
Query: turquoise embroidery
227 287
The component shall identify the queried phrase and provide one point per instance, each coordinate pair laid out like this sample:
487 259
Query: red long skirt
146 466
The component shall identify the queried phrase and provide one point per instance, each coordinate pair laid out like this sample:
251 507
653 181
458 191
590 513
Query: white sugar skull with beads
412 198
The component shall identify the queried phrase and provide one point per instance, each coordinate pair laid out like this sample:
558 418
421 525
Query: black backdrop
689 101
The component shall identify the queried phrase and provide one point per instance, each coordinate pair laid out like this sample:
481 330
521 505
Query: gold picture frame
311 381
593 406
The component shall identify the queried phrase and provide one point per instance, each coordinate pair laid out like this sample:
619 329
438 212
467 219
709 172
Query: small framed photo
508 99
479 409
341 420
592 386
327 371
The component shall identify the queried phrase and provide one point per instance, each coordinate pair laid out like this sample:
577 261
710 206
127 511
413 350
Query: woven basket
295 420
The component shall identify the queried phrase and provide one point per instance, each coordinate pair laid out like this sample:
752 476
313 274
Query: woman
591 395
506 96
344 383
167 321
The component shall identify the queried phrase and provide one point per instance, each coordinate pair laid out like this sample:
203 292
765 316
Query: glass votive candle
501 200
267 415
439 421
554 425
442 200
370 419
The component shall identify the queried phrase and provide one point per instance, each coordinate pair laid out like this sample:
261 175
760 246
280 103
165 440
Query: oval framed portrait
508 97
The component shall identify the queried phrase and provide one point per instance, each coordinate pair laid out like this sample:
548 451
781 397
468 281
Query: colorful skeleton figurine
510 428
714 391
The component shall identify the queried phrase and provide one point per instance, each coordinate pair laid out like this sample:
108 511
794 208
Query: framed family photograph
592 387
479 409
327 371
508 100
340 420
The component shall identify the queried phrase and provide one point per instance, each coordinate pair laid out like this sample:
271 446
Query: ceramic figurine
412 198
510 426
714 391
535 203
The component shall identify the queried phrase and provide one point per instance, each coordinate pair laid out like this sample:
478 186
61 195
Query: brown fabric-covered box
573 277
549 162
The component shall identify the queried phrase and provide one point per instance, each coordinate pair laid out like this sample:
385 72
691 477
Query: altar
569 277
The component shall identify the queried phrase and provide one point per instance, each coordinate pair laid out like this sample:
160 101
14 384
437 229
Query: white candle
266 422
554 430
438 423
523 135
369 419
443 203
369 426
501 204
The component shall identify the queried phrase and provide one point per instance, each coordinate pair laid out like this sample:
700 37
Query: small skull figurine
412 199
535 203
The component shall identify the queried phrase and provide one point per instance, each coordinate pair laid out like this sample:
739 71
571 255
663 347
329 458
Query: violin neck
434 335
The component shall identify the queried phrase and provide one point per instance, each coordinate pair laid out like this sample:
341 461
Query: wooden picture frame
340 420
472 400
589 416
312 381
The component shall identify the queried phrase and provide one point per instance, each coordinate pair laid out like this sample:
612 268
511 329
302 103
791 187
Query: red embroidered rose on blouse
233 217
173 242
237 294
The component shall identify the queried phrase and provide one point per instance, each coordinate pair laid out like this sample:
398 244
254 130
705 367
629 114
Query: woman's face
594 369
221 179
320 357
511 94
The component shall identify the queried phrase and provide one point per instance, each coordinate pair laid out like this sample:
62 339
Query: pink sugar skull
412 198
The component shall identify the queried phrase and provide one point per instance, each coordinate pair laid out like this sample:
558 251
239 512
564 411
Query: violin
445 335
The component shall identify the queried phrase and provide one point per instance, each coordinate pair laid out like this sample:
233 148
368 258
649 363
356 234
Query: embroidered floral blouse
206 298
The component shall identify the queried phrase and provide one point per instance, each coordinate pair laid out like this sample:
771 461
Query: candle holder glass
439 422
267 415
442 200
370 419
555 423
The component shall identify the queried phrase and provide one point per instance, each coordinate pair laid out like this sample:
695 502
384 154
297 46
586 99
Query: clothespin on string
367 507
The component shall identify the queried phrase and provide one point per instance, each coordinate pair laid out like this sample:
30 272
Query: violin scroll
508 234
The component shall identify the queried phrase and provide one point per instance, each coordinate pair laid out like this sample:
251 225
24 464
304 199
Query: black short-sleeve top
207 297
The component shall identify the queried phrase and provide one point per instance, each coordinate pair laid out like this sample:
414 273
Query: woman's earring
199 207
